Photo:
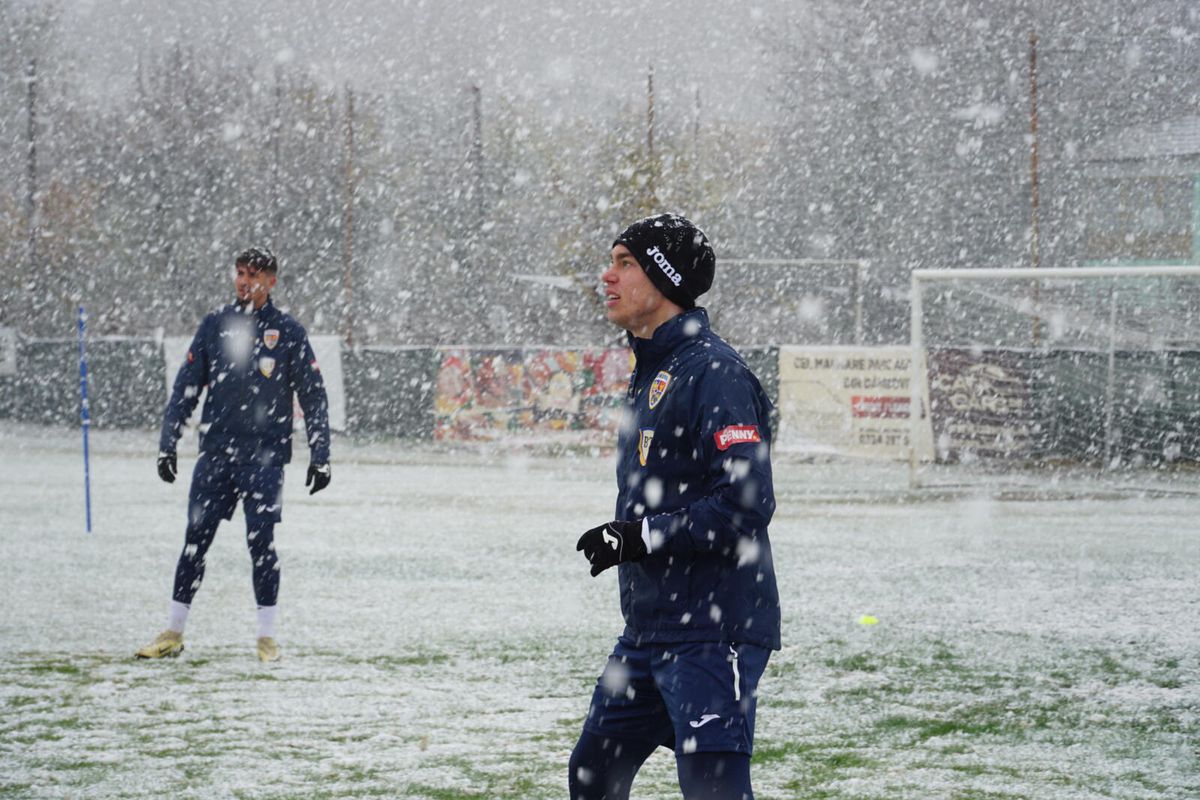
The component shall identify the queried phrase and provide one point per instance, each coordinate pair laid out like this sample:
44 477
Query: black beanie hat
674 254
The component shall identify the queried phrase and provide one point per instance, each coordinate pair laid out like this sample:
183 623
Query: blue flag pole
85 420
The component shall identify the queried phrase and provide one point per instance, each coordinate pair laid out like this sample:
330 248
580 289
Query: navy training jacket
693 458
250 362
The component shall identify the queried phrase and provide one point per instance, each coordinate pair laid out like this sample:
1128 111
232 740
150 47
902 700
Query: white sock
177 616
266 621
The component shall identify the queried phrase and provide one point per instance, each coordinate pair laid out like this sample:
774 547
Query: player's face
253 285
632 301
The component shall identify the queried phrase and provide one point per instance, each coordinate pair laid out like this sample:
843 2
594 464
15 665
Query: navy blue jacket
694 460
250 363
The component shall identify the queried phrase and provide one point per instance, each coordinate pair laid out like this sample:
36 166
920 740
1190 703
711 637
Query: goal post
1090 367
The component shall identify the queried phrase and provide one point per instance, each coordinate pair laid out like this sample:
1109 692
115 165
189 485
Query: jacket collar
669 336
267 310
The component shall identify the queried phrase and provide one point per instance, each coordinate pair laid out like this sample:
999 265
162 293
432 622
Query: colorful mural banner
846 401
575 395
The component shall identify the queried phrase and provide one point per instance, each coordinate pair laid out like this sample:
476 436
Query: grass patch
318 792
259 676
985 719
817 764
72 766
55 668
858 662
870 692
493 787
1064 680
1112 671
979 770
415 660
427 792
1011 718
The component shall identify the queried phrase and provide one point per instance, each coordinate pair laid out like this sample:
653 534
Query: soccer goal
1045 377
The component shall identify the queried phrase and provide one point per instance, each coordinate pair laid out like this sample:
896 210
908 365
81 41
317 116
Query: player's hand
318 477
168 467
611 544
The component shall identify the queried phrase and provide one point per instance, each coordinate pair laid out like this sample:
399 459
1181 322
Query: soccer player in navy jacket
251 359
694 497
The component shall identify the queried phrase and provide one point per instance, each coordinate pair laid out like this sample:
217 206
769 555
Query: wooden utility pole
348 227
477 156
697 182
1035 257
31 163
276 135
650 157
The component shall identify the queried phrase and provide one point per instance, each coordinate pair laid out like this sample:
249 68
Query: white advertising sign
847 401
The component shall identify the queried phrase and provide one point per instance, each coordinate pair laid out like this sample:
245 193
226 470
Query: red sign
736 434
880 407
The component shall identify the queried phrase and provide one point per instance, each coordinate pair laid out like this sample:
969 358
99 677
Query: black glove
318 477
168 467
611 544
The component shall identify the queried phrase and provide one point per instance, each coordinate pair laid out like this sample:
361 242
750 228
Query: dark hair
258 258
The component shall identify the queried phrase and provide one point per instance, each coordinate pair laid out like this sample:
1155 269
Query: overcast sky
595 53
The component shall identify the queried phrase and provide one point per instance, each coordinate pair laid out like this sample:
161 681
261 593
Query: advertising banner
568 396
328 350
846 401
980 403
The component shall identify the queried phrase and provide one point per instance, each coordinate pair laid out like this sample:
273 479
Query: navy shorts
218 485
694 697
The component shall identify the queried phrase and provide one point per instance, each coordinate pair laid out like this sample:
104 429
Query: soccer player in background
694 497
251 358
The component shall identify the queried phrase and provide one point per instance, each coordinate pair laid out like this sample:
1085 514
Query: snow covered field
441 635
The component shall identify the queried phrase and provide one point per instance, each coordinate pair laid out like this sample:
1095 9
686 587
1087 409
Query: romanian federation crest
646 436
657 389
266 365
271 338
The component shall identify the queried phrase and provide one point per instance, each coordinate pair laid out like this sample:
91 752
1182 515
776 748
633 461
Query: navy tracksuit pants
218 484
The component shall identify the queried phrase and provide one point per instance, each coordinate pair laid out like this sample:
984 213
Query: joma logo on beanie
674 254
665 265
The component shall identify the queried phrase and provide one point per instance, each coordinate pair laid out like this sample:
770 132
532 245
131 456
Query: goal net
1055 374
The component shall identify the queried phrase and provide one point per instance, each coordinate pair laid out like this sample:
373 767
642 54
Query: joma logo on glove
736 434
665 265
609 539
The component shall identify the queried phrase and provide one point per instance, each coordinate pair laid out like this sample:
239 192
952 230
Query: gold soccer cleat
168 644
268 651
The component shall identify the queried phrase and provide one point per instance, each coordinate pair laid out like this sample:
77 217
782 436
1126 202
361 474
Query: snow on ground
441 635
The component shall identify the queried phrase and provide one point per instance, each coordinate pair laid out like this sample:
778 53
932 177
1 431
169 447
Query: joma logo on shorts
665 265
